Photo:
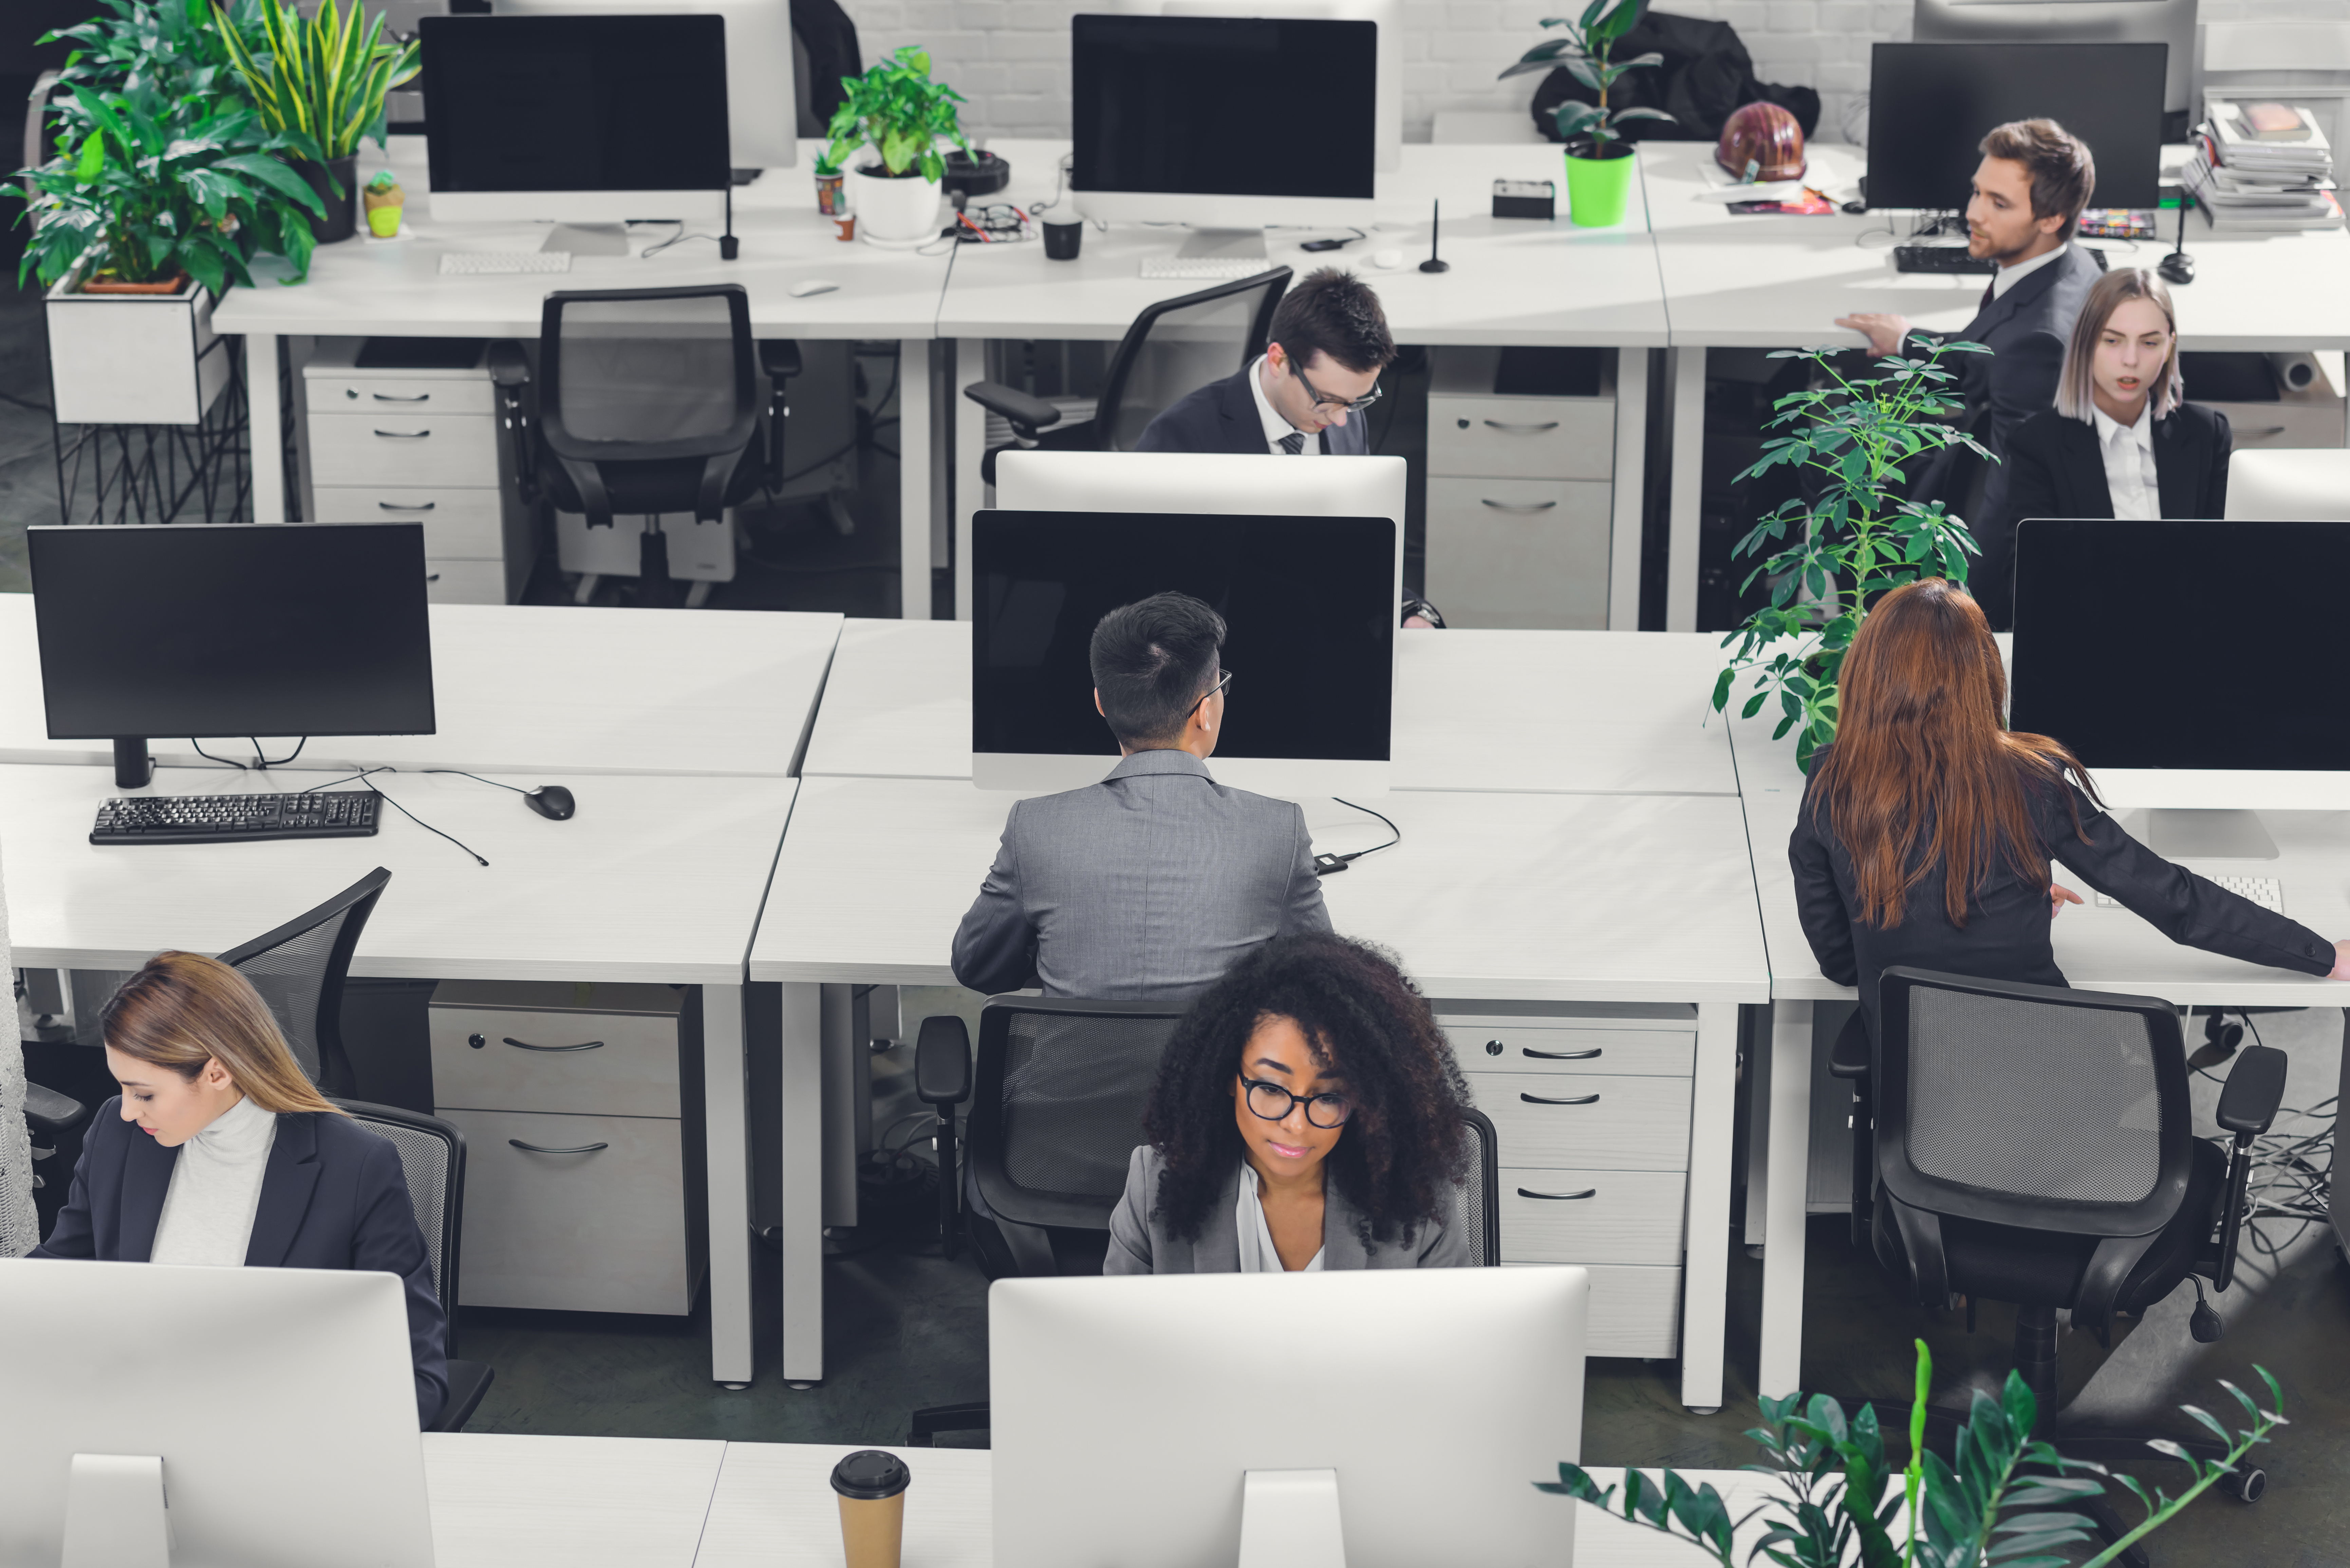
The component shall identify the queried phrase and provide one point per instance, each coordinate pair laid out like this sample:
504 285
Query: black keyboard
1940 258
235 818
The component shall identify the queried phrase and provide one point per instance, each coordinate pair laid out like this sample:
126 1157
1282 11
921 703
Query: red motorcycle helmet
1766 136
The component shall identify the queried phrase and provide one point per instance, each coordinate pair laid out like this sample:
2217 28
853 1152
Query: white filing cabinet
1520 499
581 1107
420 445
1592 1106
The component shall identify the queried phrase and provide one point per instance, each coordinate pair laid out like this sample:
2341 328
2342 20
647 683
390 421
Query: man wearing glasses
1149 885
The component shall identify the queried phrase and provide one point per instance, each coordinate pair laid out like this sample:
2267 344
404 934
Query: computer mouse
1388 259
552 801
808 285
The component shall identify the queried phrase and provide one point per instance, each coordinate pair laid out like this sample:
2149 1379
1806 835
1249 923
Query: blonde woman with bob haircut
221 1152
2122 441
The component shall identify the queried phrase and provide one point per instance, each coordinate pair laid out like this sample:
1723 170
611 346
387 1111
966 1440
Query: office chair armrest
1848 1057
1028 415
509 366
942 1061
2254 1092
49 1111
779 357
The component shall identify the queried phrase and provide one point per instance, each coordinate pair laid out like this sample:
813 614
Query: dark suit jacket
2006 936
2056 469
1221 417
332 1197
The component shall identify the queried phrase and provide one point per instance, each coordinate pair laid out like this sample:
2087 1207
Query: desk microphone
729 247
1435 218
2178 267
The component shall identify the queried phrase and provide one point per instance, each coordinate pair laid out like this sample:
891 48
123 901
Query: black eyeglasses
1220 686
1274 1103
1324 400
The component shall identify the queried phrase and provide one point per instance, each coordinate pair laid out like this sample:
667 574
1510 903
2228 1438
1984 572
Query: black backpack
1706 74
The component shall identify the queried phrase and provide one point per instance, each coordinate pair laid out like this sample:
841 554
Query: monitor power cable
366 773
1331 864
259 762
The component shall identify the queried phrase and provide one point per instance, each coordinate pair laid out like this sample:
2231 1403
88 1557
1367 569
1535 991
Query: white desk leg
1631 473
265 417
727 1138
1705 1274
1688 483
971 451
1781 1370
914 458
803 1194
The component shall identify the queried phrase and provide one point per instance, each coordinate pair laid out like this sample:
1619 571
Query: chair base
468 1381
972 1415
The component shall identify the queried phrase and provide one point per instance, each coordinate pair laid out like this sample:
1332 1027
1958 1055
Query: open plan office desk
362 289
1771 281
1512 282
657 880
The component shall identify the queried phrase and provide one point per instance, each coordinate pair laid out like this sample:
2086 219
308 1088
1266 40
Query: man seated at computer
2029 190
1305 396
1308 1116
1147 886
219 1151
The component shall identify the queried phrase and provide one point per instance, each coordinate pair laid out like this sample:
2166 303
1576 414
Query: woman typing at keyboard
1928 829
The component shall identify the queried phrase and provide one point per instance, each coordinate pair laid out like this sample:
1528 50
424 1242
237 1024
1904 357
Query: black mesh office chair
1173 348
299 970
433 1156
650 400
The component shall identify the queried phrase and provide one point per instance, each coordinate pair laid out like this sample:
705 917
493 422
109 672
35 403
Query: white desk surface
1777 282
1513 281
359 287
1579 712
658 878
1568 898
547 689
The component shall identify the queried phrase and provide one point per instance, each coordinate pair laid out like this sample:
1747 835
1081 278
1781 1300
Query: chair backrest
432 1157
1058 1093
642 375
1177 346
1477 1207
299 970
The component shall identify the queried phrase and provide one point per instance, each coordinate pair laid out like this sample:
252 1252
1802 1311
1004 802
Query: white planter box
134 359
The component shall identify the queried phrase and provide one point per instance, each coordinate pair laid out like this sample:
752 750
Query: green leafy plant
1829 556
895 109
1837 1477
1586 51
324 77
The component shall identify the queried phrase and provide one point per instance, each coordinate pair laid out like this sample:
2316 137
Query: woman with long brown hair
220 1152
1928 829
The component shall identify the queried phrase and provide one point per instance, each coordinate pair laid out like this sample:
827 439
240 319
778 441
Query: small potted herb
896 115
384 201
324 78
1599 161
831 198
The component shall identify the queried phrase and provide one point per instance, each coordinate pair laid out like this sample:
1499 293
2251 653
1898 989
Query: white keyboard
478 264
1204 269
2265 891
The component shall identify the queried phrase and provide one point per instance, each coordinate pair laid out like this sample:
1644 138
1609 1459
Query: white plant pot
134 359
896 215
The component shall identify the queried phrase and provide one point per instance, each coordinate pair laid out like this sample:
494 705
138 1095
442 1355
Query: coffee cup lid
870 1473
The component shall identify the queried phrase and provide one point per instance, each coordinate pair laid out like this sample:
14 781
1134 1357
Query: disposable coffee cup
871 1484
1061 240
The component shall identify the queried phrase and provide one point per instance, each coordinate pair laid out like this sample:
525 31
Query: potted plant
1599 161
1856 538
896 114
1837 1476
323 77
831 199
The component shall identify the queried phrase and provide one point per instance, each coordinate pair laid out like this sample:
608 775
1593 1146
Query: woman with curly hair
1308 1116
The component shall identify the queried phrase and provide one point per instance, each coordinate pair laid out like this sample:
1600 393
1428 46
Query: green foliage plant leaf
1587 52
323 76
899 111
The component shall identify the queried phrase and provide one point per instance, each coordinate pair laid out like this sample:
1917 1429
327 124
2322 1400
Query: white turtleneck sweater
215 1190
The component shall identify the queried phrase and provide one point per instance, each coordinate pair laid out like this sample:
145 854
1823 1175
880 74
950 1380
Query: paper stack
2262 167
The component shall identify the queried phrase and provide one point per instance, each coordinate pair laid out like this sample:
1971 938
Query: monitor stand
134 768
2176 835
744 176
1289 1519
116 1512
589 239
1240 244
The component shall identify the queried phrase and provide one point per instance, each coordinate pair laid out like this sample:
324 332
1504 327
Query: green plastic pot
1598 189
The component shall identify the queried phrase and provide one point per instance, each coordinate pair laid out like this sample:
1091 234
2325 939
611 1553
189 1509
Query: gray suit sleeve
1444 1246
1130 1222
1305 910
993 947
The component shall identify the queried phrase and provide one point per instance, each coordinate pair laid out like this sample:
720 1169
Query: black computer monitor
1930 105
232 629
1309 604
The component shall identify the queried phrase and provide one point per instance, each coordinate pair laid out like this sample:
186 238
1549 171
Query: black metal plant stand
161 473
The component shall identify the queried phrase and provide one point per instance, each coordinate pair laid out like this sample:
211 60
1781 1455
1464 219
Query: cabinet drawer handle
1521 505
403 435
1590 1055
1578 1100
388 397
1559 1197
1528 430
525 1045
534 1148
406 505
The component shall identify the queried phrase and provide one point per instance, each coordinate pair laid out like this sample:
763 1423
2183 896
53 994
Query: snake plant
324 77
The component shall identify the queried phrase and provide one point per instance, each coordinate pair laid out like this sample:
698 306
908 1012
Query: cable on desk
1330 865
365 772
478 779
259 762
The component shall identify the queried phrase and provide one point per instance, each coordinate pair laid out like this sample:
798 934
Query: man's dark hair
2063 174
1153 659
1333 312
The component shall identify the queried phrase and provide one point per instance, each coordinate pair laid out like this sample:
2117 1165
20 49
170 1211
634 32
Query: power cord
1331 864
365 773
259 762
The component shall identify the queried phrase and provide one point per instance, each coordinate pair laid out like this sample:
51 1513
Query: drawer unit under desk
397 448
466 525
1493 437
1595 1122
1643 1039
338 390
544 1047
1592 1216
1635 1310
468 582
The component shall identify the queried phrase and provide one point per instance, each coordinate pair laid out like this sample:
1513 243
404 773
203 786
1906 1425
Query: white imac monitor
2170 22
1176 1420
2206 727
264 1418
762 120
2310 483
578 120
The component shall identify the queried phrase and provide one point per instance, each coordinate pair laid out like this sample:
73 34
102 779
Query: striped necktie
1293 442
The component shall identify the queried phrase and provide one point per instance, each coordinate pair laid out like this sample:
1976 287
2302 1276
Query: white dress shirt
1275 427
215 1190
2007 277
1258 1254
2129 451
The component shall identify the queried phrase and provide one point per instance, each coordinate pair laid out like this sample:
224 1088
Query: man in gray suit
1148 885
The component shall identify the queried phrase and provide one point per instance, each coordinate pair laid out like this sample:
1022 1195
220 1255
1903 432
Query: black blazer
2006 936
1221 417
2056 469
332 1197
